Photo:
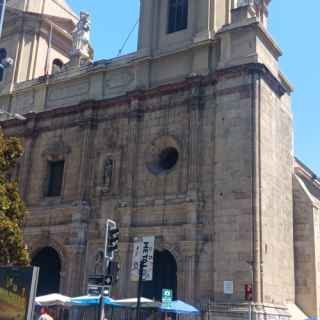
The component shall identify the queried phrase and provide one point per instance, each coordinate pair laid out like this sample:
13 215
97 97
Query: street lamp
13 115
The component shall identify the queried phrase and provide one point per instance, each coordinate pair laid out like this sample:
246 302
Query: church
188 139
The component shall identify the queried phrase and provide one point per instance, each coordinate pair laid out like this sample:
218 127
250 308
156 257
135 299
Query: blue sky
295 30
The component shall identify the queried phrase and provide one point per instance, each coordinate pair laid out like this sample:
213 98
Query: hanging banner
147 257
143 250
136 258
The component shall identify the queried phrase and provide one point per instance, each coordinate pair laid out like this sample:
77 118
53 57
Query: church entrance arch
164 276
48 260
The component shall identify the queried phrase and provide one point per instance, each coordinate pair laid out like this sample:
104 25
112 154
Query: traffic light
114 271
112 239
248 292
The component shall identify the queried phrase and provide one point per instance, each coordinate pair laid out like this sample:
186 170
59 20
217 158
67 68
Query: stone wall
201 210
306 236
275 195
223 209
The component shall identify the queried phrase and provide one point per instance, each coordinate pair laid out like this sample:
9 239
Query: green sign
167 298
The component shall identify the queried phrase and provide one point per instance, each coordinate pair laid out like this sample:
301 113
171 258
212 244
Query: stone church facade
188 139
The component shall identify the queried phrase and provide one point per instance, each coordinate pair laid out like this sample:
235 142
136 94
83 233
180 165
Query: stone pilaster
135 118
88 127
195 127
256 186
26 165
125 264
186 288
76 270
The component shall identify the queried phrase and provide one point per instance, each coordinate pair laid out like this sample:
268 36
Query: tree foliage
12 208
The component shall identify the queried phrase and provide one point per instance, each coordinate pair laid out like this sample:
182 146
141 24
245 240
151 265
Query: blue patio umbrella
180 307
89 300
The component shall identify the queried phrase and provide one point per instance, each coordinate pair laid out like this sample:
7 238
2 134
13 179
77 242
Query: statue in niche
98 263
81 36
111 131
107 174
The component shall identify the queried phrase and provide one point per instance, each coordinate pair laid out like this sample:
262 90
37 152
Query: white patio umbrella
54 299
132 303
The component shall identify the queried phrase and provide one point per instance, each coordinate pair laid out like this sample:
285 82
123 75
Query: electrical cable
127 39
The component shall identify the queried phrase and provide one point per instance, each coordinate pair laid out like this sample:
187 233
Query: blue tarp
89 300
180 307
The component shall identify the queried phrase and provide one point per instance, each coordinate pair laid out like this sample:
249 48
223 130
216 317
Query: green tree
12 209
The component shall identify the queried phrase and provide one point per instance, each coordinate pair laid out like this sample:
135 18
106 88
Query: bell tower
177 24
170 25
226 43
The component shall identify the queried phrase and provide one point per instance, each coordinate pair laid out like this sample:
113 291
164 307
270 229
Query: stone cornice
301 168
35 15
144 94
262 32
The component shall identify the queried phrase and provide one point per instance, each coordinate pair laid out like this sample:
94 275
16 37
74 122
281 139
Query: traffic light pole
111 245
101 304
139 289
101 297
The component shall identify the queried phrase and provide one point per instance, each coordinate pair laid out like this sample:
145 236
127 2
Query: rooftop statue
81 37
241 3
260 7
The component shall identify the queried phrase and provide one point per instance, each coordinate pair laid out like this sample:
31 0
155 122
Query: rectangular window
178 15
56 169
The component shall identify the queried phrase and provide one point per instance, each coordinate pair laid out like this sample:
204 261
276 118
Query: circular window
164 161
168 158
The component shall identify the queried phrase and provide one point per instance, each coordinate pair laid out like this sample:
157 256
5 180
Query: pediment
13 15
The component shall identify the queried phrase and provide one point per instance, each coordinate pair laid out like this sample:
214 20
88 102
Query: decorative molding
57 149
136 114
112 134
61 92
88 123
24 102
118 79
135 98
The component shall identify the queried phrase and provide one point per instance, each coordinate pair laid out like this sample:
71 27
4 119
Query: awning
90 300
132 303
180 307
54 299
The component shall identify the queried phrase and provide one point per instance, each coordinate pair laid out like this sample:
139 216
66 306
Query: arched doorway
164 276
49 263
